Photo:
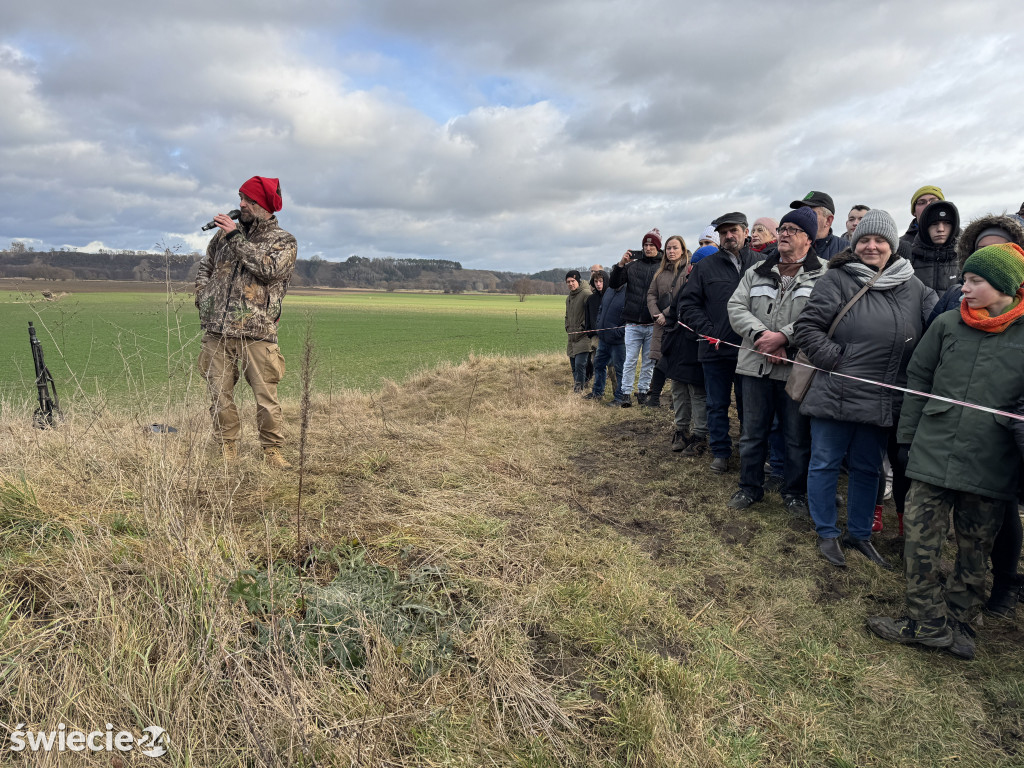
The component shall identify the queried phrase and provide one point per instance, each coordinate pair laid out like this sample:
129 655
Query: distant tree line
384 274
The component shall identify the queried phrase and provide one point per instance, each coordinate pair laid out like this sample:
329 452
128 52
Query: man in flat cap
703 304
240 288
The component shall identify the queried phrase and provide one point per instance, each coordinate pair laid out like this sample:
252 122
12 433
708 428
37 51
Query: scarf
983 321
760 248
897 273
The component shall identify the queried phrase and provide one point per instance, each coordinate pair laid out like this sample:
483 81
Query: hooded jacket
874 340
965 247
576 321
636 276
956 447
704 300
609 316
936 265
594 302
759 304
243 278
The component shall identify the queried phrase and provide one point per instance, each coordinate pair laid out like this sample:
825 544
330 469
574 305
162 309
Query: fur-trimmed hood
845 256
965 246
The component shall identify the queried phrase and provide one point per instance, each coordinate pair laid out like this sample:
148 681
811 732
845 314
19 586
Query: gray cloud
521 135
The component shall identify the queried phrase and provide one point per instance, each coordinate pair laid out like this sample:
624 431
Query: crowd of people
868 353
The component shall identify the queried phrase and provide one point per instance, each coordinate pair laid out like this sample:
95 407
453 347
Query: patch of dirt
686 601
714 584
829 590
672 650
554 665
800 524
738 530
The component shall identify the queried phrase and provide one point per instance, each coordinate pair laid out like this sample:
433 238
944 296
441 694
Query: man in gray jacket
762 311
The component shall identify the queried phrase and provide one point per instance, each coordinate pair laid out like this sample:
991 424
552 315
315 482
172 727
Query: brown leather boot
274 458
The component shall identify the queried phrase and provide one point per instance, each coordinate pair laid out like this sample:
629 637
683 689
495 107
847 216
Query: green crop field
121 343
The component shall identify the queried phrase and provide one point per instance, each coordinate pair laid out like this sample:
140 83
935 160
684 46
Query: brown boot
229 451
274 458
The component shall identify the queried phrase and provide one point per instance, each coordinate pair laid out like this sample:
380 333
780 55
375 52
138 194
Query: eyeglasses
790 231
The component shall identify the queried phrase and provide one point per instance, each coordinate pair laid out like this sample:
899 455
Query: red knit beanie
264 191
653 237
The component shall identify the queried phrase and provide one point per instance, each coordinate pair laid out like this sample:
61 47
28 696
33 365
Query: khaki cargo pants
262 364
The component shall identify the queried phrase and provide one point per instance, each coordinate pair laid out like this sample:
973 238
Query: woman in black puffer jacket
874 340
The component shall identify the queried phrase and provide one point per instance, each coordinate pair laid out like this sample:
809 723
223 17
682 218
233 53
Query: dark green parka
956 447
576 321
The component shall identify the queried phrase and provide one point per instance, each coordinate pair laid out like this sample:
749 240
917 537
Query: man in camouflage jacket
239 291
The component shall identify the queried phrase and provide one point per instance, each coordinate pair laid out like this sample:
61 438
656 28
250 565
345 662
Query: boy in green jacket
961 459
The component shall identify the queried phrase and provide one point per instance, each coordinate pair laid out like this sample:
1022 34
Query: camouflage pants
976 520
262 364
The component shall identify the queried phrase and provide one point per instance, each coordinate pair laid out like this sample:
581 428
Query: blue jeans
862 446
766 403
719 380
579 370
615 354
638 347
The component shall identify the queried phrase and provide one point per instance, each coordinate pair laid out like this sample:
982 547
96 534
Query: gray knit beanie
877 222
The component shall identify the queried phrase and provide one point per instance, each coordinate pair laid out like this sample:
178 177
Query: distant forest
355 272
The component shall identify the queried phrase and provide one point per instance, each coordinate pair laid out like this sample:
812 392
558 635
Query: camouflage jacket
242 281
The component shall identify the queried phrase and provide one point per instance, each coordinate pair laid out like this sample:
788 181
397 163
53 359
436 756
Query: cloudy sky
518 135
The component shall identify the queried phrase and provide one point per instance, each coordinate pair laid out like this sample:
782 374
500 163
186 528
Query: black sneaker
797 505
741 500
625 402
593 396
641 398
963 641
654 401
932 633
720 465
1002 603
774 483
696 447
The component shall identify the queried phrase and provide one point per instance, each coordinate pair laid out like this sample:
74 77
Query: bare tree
522 287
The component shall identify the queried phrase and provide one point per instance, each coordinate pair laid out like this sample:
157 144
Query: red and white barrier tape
716 342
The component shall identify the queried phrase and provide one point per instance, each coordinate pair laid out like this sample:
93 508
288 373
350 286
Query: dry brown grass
526 578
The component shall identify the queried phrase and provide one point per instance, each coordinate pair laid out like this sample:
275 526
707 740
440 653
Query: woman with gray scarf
874 340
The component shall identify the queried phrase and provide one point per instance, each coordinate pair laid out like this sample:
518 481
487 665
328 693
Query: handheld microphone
231 215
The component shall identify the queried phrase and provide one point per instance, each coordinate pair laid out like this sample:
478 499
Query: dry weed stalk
306 376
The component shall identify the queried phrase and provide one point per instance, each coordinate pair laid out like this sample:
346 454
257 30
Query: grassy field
122 342
483 569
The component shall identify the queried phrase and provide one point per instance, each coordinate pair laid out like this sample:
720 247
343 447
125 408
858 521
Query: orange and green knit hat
1001 265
